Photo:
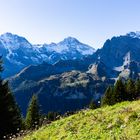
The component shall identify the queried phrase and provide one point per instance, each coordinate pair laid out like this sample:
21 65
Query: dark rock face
72 90
113 52
118 55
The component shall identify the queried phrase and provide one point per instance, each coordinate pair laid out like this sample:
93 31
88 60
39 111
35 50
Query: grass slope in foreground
118 122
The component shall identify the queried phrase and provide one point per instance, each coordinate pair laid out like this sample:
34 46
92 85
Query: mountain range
68 75
19 53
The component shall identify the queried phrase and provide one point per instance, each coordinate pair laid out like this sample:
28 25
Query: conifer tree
119 93
107 98
10 117
137 89
92 105
33 115
130 89
52 116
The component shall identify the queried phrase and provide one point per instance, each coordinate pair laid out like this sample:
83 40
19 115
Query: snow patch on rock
125 63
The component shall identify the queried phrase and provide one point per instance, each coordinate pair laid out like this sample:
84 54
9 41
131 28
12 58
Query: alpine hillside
120 121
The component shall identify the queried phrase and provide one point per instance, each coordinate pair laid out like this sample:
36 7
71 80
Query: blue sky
90 21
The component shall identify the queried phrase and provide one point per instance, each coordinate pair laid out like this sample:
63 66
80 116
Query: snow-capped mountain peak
70 40
72 44
18 52
134 34
12 37
6 35
13 41
69 45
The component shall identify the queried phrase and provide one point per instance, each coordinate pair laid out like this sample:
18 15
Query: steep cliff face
119 50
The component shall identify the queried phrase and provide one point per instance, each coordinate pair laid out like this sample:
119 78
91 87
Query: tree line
122 91
128 90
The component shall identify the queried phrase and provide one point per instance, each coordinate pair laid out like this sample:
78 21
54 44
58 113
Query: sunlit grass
118 122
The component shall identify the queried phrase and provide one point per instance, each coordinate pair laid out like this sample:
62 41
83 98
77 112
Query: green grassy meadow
118 122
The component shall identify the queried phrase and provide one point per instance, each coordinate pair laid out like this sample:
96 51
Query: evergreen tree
10 117
33 115
137 89
107 98
52 116
92 105
130 89
119 93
